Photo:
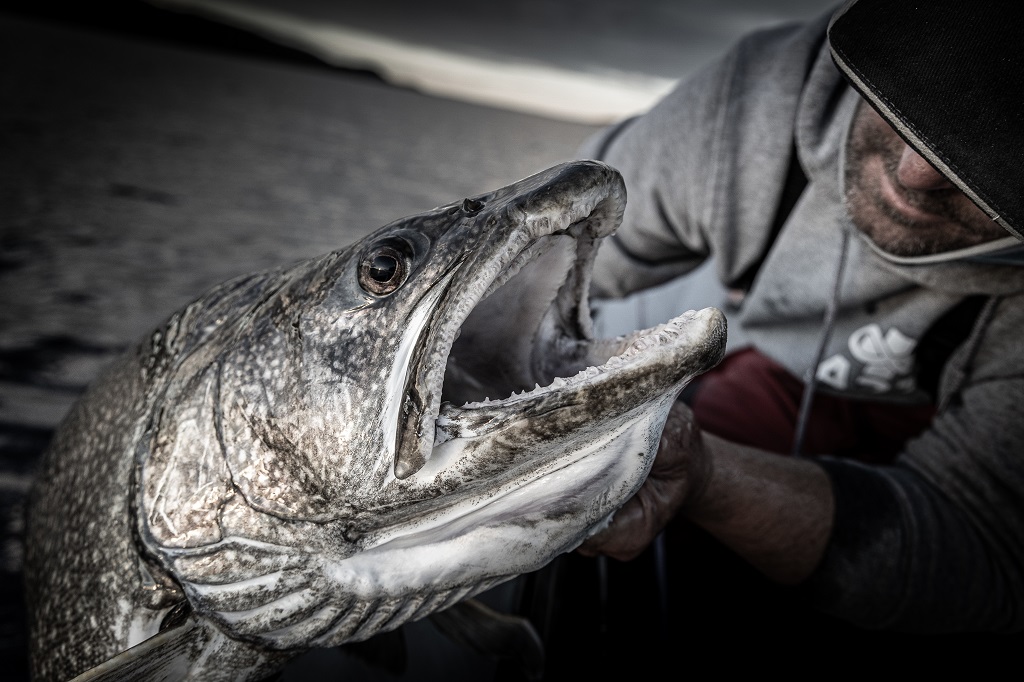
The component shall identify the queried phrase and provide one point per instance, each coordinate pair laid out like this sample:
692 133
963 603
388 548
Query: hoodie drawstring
829 325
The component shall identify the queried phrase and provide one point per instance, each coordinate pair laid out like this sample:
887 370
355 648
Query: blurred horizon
586 61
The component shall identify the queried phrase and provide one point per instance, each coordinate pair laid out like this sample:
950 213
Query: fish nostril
472 205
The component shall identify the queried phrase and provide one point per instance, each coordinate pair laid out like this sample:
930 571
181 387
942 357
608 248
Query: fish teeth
660 335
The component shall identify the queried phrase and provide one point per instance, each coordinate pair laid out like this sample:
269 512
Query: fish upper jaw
564 211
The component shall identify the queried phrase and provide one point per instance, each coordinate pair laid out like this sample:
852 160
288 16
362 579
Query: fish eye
383 269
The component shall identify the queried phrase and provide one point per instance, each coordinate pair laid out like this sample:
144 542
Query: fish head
466 323
427 411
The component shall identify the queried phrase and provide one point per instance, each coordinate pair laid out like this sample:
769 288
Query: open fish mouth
642 352
519 341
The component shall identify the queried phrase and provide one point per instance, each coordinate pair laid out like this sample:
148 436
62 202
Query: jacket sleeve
935 543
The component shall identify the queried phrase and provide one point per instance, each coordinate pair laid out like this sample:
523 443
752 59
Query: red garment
751 399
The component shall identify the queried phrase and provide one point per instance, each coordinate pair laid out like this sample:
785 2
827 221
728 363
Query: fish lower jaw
520 523
630 352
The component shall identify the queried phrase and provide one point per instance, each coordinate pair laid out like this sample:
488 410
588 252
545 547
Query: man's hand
772 510
679 475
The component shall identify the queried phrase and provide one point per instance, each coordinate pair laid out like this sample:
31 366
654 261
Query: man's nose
914 172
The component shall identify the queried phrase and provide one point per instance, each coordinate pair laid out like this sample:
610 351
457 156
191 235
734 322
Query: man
882 298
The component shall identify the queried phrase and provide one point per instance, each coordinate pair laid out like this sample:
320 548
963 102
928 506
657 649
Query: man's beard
892 231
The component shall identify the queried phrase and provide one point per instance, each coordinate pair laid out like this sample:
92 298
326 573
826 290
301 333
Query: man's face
904 205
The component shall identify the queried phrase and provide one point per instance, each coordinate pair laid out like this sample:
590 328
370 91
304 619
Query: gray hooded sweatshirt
934 542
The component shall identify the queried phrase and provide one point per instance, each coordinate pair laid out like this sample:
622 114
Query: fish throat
498 327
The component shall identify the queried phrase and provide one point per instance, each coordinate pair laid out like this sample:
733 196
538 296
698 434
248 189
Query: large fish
309 456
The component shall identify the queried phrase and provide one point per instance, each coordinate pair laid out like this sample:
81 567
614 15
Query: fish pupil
383 268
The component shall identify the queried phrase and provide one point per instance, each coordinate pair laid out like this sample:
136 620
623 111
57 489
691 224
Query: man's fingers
625 538
667 486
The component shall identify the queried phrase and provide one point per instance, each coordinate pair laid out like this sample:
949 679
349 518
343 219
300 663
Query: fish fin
187 649
166 657
495 634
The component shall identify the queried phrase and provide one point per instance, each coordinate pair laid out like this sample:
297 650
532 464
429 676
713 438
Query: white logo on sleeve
887 361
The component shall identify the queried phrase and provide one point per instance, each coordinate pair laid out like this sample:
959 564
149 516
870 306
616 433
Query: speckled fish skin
280 461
